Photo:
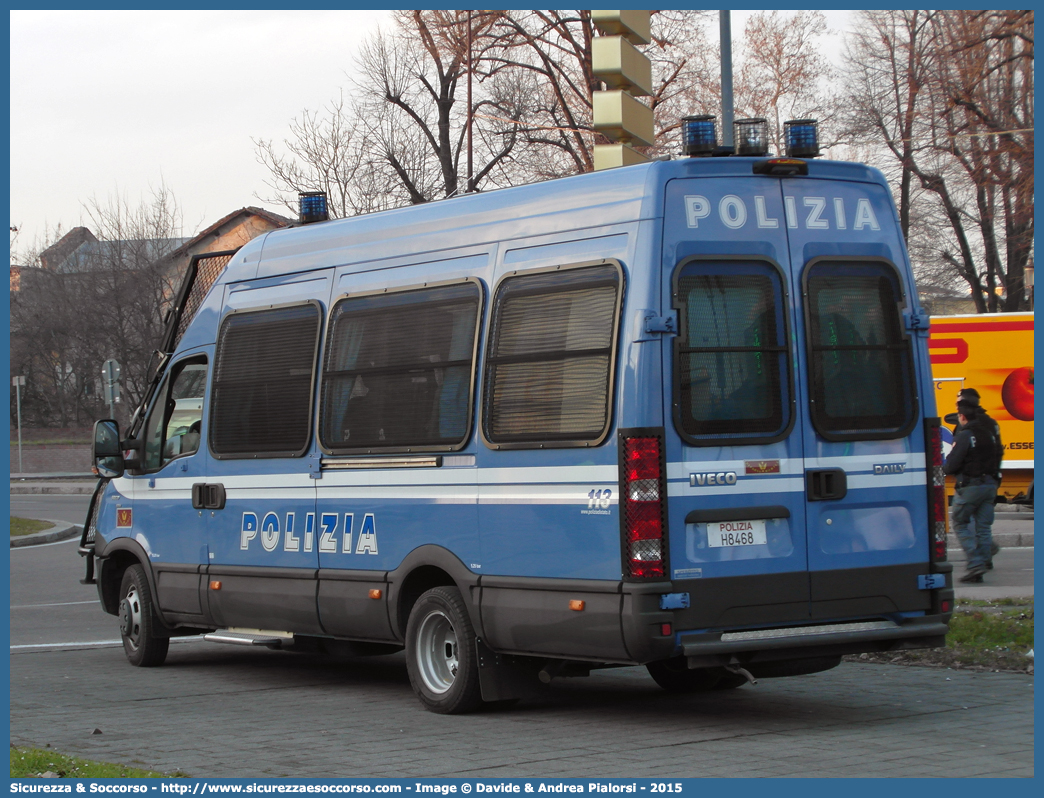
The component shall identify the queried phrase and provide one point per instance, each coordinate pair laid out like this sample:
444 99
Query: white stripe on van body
287 481
908 479
437 494
475 494
752 486
755 484
787 466
866 462
850 464
595 476
543 494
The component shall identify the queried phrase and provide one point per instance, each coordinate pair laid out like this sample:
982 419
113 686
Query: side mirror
106 451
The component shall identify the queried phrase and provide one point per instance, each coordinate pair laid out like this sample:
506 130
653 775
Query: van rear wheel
676 676
137 621
441 656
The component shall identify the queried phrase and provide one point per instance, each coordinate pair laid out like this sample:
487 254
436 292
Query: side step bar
251 637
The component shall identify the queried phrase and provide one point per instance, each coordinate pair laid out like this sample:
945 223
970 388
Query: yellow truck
992 353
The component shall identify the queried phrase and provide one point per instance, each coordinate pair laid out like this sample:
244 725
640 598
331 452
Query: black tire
440 653
137 621
676 676
793 667
730 681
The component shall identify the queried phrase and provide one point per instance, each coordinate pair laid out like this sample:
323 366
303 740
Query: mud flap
503 677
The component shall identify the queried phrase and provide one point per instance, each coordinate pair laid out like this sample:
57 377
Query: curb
1002 539
59 489
62 530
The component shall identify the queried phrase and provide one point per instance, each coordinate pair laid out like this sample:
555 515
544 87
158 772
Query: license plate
736 533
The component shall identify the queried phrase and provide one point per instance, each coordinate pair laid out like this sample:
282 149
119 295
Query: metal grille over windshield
731 358
202 273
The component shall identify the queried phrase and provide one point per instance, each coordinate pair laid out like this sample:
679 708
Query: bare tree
554 47
105 298
529 117
783 73
404 137
950 96
44 342
323 155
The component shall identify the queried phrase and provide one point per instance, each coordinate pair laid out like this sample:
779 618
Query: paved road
54 508
228 711
1012 575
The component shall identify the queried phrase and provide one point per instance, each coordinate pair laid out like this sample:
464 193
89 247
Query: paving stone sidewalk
229 712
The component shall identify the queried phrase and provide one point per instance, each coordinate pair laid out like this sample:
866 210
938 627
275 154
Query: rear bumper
745 647
768 617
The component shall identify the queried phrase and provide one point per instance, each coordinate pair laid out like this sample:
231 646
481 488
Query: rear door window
860 359
731 378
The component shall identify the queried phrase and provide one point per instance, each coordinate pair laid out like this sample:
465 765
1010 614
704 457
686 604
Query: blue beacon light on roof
802 138
313 207
699 135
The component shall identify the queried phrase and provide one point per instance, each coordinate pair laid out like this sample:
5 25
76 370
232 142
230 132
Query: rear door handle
208 496
826 484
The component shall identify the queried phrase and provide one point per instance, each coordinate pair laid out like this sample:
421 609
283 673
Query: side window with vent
731 380
264 373
860 358
399 369
551 357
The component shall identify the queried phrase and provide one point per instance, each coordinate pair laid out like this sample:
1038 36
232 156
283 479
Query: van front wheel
441 657
143 648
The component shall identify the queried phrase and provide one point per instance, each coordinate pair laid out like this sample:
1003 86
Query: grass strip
34 762
27 526
992 635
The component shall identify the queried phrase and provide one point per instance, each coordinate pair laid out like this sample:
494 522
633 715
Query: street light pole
18 382
470 186
725 31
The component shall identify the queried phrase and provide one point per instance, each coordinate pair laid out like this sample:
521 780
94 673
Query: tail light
936 493
643 489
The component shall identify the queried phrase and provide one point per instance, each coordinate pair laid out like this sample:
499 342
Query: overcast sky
107 102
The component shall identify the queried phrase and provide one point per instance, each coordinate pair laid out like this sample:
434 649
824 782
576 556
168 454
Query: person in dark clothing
971 396
974 460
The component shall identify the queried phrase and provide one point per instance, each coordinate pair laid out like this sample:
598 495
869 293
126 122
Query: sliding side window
399 369
861 364
551 355
264 375
731 379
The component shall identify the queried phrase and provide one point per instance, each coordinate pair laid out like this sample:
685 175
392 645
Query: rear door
863 441
735 452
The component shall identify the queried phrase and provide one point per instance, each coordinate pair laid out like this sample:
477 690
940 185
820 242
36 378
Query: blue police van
677 414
